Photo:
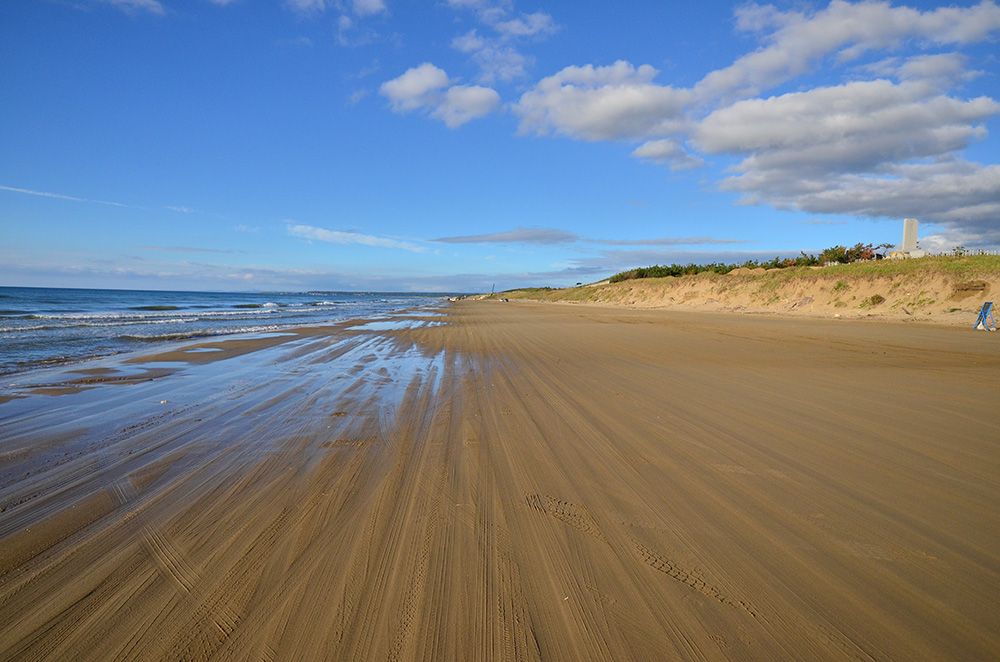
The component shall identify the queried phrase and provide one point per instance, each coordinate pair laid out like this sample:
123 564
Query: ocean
50 326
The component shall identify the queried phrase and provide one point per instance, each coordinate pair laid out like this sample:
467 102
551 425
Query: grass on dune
958 267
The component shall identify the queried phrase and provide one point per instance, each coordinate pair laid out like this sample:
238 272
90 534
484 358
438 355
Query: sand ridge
525 482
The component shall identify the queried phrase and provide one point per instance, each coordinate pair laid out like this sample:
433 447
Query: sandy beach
513 481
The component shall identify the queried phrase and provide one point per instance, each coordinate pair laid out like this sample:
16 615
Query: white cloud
618 101
945 67
543 236
496 60
668 241
357 96
338 237
850 127
497 55
307 6
873 148
427 87
527 25
58 196
953 192
467 4
752 17
369 7
137 6
469 42
845 29
942 70
418 87
552 236
887 145
950 238
360 8
463 103
868 148
666 151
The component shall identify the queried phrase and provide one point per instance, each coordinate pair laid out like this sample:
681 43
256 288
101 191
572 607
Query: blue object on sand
985 320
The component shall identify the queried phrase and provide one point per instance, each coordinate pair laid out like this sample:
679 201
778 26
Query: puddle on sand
201 350
394 325
422 313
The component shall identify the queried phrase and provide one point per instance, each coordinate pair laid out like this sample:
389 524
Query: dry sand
526 482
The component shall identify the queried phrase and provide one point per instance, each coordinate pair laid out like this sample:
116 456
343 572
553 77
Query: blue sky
450 145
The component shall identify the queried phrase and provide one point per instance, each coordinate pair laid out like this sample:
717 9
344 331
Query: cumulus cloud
952 192
942 67
847 30
339 237
417 87
619 101
427 87
463 103
668 152
850 127
886 147
867 148
942 70
888 142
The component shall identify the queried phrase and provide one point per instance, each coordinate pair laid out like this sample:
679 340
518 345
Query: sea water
46 326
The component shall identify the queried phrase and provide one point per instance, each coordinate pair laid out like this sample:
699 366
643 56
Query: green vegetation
953 264
958 268
873 301
833 255
662 271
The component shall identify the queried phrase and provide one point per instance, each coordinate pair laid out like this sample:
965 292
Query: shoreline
97 362
524 481
56 327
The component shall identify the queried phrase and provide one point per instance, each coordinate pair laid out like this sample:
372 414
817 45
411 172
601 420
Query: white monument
909 246
910 226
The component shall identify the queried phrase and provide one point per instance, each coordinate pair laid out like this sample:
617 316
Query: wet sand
523 482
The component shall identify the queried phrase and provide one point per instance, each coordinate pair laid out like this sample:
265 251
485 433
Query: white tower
909 235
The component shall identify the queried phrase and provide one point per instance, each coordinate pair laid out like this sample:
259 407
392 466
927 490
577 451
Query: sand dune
524 482
939 290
